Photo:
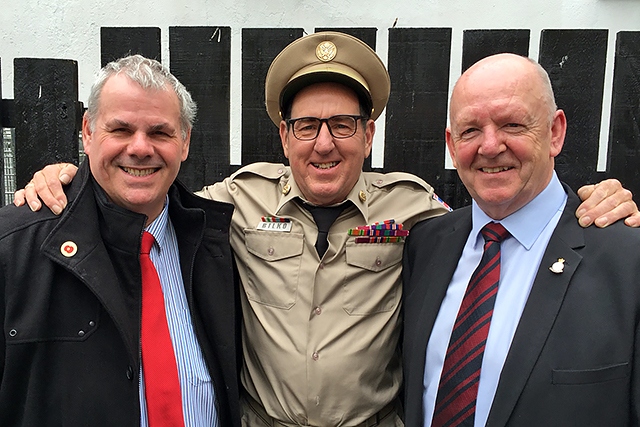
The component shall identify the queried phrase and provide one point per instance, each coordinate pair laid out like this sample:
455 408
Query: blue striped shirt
198 400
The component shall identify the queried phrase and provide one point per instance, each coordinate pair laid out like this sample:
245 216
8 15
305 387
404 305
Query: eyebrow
116 123
162 127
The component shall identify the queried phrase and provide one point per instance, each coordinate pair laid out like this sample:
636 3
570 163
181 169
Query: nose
492 143
140 145
324 142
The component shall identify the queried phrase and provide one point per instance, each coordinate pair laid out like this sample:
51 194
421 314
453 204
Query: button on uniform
317 311
315 355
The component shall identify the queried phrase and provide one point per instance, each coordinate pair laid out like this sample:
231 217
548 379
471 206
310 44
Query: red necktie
162 387
458 389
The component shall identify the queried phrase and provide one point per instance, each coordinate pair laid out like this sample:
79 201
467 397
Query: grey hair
149 74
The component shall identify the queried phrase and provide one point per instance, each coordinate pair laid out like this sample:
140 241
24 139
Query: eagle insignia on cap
326 51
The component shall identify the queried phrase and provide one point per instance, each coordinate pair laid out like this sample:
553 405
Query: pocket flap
273 246
374 256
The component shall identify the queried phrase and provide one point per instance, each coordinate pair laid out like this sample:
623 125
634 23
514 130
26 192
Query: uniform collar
358 195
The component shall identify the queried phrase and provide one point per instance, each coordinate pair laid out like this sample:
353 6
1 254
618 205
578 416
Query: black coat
71 325
572 361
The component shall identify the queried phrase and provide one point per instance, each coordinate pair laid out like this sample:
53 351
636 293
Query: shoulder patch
263 169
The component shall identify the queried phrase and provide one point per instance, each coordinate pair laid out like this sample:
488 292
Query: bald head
496 71
505 132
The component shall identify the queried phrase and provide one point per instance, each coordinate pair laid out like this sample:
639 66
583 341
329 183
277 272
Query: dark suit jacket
572 359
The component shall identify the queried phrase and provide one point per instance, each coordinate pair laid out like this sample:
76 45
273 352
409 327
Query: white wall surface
70 29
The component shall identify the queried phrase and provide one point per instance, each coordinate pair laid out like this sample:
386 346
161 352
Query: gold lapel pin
558 266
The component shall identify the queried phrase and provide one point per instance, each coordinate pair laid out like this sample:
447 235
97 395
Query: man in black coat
70 285
563 326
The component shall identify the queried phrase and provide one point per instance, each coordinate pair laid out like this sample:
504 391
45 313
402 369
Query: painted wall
70 29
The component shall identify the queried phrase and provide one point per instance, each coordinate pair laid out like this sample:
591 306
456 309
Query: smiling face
135 145
505 133
326 169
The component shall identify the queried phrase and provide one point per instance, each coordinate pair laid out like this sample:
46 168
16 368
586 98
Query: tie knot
147 242
494 232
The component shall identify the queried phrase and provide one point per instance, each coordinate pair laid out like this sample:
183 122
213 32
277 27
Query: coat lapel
540 312
90 262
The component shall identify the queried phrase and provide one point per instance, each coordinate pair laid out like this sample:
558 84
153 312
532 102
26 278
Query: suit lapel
431 280
539 315
436 279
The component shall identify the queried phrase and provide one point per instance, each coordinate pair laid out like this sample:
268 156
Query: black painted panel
46 99
200 58
478 44
624 130
116 42
260 139
575 61
416 116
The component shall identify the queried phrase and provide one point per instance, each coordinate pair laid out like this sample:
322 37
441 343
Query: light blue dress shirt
531 228
198 400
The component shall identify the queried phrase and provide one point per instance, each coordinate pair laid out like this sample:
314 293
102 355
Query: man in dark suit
546 334
86 318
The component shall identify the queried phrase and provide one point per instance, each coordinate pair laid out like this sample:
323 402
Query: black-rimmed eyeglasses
308 128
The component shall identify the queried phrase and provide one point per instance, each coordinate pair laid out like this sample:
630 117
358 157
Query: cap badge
326 51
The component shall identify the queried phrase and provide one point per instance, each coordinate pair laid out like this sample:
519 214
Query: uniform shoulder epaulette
262 169
381 180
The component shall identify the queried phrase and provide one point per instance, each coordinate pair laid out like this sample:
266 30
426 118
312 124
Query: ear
369 131
284 138
185 146
86 134
558 132
451 146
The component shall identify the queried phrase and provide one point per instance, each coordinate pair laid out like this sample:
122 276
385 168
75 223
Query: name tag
274 226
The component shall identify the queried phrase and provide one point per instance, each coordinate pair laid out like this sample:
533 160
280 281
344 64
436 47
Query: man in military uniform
319 244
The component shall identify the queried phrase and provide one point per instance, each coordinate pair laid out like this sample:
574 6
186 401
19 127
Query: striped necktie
458 389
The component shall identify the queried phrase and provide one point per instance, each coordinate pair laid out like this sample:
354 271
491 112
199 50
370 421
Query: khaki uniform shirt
320 336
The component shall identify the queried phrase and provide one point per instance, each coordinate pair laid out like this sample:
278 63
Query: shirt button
321 266
271 251
378 262
80 333
315 355
318 311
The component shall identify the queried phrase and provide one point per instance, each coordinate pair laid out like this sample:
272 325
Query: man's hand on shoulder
605 203
46 187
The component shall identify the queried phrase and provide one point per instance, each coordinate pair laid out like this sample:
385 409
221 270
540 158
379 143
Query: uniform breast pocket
273 267
372 282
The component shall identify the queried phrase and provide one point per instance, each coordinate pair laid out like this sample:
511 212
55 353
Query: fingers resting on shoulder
46 187
605 203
